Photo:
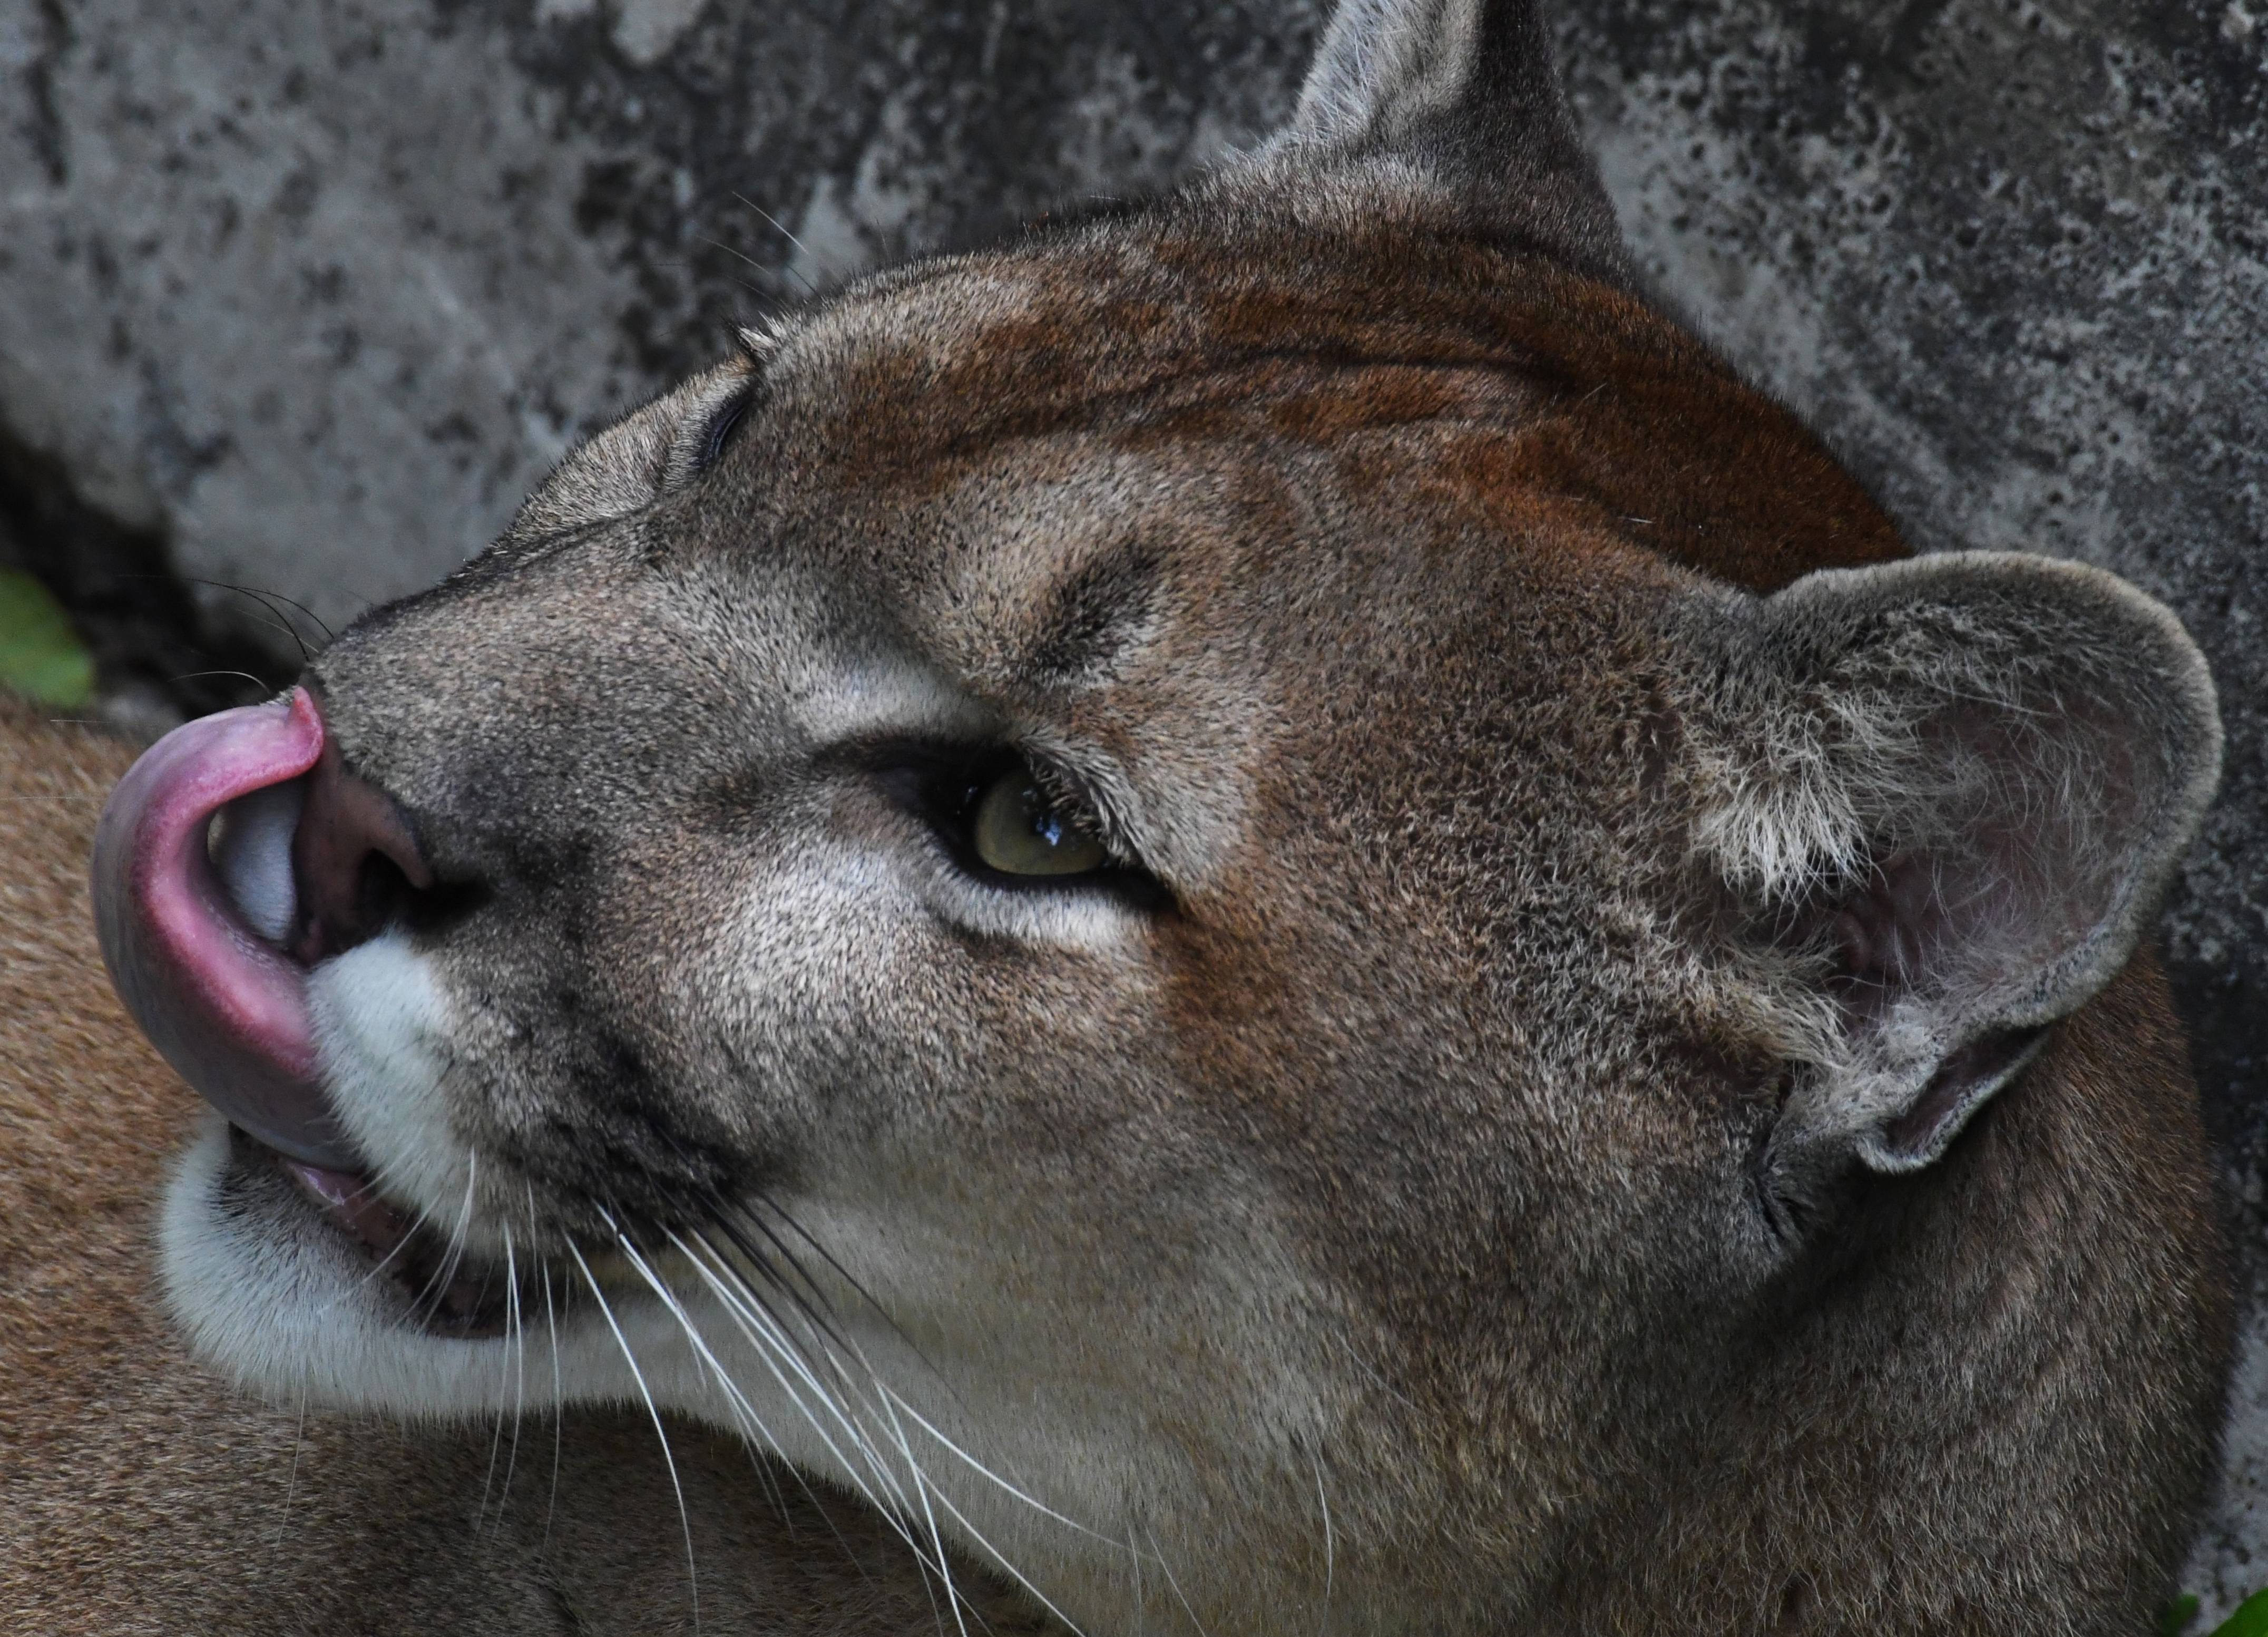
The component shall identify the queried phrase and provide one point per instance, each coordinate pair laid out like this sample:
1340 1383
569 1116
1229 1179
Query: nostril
355 861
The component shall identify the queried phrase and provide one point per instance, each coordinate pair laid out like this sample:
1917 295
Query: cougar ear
1946 793
1466 92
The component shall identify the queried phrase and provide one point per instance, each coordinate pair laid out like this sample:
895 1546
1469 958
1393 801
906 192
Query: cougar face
1267 906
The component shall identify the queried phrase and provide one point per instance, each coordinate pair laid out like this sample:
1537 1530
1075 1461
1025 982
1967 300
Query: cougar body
139 1494
1265 906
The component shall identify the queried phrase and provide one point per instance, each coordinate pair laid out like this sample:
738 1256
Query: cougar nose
354 861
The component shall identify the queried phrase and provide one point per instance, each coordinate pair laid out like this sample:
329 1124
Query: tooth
251 850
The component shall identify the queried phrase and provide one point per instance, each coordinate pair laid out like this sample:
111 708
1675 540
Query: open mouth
235 856
442 1289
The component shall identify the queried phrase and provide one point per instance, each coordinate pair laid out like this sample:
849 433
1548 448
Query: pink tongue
227 1009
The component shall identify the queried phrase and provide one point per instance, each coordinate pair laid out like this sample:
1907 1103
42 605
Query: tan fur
1620 1086
138 1494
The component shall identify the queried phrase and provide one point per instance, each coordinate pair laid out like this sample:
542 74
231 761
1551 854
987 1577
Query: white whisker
515 1332
291 1483
685 1517
744 1412
453 1257
977 1466
773 1349
922 1488
1013 1572
741 1407
558 1391
1167 1569
764 1332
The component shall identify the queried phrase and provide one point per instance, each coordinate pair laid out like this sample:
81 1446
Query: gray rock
321 292
315 294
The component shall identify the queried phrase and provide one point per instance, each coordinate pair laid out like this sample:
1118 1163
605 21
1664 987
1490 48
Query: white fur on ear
1463 95
1385 61
1949 791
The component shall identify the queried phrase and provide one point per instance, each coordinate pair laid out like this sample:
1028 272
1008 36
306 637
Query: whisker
380 1176
437 1288
772 1349
1013 1573
890 1402
292 1483
845 1275
488 1478
745 1415
191 677
922 1487
558 1391
268 597
1134 1558
743 256
820 1323
773 1345
1330 1555
977 1466
685 1517
791 238
515 1341
1167 1569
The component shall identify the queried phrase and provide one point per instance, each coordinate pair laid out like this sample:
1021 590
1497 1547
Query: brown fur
139 1495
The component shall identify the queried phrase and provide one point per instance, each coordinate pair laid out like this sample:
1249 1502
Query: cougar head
1266 905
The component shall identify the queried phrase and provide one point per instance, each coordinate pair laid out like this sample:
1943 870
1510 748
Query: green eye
1018 830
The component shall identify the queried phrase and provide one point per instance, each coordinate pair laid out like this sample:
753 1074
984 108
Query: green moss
41 656
2250 1620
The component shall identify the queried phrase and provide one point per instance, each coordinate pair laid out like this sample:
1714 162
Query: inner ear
1884 931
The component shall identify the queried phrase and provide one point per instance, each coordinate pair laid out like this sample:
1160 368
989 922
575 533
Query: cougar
139 1495
1265 908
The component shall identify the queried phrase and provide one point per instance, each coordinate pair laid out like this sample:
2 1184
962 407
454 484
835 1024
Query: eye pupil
1018 830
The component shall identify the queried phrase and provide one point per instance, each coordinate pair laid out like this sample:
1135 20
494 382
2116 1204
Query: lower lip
446 1294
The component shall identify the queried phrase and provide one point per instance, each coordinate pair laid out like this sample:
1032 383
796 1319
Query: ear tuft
1947 793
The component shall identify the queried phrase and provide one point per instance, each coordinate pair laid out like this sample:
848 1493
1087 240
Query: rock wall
305 298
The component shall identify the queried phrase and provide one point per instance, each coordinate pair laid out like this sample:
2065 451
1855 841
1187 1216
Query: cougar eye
1019 830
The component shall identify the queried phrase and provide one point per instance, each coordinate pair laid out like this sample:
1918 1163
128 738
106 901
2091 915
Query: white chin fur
382 1029
276 1297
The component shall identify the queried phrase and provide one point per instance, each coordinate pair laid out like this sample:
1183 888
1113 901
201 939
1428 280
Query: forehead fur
1322 320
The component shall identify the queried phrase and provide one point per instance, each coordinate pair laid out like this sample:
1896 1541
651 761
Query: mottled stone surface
311 295
321 291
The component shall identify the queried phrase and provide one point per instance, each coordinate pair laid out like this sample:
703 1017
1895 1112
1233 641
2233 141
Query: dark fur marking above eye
1090 620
